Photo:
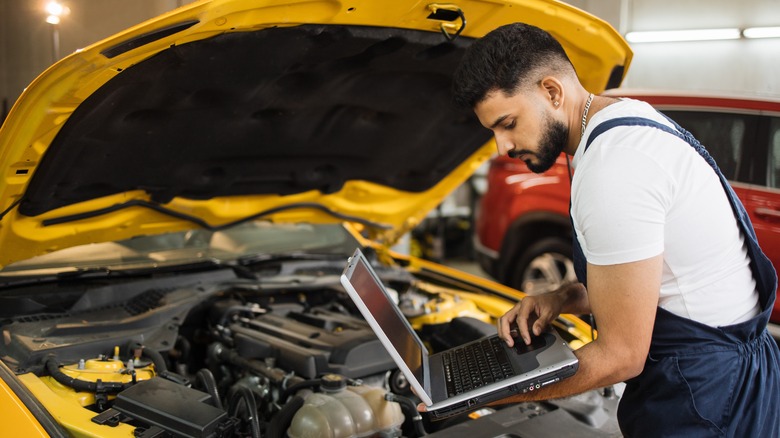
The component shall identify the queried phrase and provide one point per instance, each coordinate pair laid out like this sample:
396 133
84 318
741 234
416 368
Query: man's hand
535 312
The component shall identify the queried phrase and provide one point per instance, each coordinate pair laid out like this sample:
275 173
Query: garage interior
691 47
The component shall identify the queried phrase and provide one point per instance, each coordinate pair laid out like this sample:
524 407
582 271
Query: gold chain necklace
585 114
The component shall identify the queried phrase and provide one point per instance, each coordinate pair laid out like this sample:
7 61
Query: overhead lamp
56 8
55 11
762 32
663 36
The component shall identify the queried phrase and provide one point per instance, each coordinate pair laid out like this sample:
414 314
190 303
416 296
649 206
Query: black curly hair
506 59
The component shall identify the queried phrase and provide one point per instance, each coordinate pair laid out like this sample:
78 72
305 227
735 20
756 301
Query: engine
216 356
226 354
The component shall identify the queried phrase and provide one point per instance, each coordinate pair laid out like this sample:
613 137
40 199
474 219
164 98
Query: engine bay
278 350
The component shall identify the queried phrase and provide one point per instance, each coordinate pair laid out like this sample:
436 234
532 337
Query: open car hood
316 111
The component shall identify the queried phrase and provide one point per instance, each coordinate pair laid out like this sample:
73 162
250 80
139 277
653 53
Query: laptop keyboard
475 365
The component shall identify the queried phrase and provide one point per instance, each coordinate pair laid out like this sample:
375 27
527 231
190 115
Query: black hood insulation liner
275 111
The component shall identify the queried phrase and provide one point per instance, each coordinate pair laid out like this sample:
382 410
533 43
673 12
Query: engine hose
205 377
157 359
184 347
235 396
297 387
281 421
53 368
409 410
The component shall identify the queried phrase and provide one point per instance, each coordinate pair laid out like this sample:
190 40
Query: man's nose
503 145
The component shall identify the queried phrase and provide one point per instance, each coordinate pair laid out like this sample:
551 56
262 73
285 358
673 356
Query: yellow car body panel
68 411
595 48
16 419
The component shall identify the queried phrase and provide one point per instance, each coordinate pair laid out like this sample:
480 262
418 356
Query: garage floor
472 267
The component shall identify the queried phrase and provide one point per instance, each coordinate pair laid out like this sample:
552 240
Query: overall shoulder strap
630 121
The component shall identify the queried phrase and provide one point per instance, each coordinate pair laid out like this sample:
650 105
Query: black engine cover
313 343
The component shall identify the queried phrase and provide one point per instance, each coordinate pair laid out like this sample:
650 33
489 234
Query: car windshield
252 239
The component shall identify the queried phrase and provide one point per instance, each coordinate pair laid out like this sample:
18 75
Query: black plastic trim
147 38
200 222
616 76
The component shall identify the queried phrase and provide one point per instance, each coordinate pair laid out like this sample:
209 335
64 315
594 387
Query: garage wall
26 40
736 66
740 66
732 66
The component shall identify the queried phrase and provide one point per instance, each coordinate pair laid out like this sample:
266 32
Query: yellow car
180 200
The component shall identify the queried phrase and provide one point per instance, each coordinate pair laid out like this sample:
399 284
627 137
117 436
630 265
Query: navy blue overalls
700 380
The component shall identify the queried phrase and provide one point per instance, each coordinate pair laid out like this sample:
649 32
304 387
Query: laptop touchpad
537 343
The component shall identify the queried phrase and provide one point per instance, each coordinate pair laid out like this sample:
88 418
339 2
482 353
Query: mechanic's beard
551 146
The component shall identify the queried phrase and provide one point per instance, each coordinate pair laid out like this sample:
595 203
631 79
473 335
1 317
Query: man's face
524 129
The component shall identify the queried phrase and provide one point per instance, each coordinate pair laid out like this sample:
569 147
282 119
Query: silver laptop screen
388 316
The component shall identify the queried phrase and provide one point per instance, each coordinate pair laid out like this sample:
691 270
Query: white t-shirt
639 192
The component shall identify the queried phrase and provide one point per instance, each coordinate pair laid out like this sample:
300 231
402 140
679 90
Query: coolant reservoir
387 415
344 413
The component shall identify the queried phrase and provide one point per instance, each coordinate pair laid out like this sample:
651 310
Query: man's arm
623 299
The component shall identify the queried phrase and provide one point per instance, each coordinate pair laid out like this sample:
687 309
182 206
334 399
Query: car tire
543 266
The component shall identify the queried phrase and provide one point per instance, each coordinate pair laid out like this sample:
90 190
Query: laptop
445 381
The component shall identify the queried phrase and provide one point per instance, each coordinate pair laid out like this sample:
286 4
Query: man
678 287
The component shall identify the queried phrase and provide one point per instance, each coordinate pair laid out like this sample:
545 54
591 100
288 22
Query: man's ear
552 87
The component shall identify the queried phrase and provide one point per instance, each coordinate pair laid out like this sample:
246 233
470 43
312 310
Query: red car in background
523 231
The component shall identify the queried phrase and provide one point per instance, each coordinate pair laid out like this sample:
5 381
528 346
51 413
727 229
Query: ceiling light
53 19
683 35
55 8
762 32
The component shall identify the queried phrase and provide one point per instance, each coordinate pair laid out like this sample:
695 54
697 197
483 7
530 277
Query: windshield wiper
103 272
32 279
251 259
